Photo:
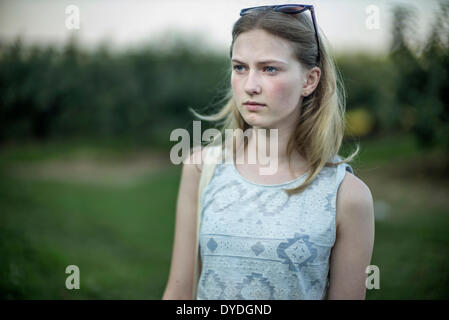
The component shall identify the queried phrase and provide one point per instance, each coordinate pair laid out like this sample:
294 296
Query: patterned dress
257 243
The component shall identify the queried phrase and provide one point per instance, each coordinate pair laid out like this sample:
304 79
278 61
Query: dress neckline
234 167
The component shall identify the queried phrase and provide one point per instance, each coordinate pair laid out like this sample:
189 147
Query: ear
311 80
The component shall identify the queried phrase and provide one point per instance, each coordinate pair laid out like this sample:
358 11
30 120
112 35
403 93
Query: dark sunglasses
291 9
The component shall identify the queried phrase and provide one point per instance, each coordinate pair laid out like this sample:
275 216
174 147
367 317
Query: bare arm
354 242
180 281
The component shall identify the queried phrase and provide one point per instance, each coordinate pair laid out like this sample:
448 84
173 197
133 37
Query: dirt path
403 186
398 187
124 171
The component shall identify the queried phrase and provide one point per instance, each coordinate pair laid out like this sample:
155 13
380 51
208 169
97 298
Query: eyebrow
262 62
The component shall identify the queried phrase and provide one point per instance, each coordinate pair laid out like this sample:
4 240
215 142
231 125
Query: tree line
143 94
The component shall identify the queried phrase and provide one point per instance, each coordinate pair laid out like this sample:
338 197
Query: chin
254 120
258 124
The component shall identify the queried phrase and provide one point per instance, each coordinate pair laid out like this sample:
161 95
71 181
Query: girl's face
276 84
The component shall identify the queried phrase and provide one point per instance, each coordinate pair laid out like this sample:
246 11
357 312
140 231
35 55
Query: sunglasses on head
290 9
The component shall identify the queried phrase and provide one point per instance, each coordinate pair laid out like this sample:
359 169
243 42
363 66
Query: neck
256 141
270 143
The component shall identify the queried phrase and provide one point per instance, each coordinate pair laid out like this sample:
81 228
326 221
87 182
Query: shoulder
197 156
354 201
194 161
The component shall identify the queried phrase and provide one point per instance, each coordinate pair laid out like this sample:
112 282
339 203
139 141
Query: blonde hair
319 133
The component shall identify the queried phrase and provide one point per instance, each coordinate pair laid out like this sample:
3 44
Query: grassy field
110 208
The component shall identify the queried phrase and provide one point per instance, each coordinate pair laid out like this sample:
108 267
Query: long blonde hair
319 133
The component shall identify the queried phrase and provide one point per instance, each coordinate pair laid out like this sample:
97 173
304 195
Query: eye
274 69
236 67
270 69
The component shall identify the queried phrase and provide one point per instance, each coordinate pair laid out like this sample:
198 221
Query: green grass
33 151
121 237
412 257
380 151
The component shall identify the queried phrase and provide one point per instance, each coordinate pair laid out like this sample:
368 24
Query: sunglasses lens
251 10
283 8
291 9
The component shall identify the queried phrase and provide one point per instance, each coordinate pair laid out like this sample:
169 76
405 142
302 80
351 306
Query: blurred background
91 90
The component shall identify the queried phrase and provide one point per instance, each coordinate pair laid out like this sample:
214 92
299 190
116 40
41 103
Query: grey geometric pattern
234 191
297 252
212 244
329 206
212 280
272 202
255 284
256 242
258 248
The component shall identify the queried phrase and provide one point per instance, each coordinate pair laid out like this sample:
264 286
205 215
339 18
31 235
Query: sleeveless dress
257 243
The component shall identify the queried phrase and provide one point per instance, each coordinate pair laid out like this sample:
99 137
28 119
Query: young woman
307 230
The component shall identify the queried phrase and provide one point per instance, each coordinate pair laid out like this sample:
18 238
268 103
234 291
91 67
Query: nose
252 85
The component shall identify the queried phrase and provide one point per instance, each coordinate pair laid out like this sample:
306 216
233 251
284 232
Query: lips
253 105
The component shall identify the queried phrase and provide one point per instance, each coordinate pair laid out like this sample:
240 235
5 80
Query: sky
349 25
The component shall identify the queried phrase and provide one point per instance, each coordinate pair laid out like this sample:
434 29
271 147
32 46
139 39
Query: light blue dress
257 243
